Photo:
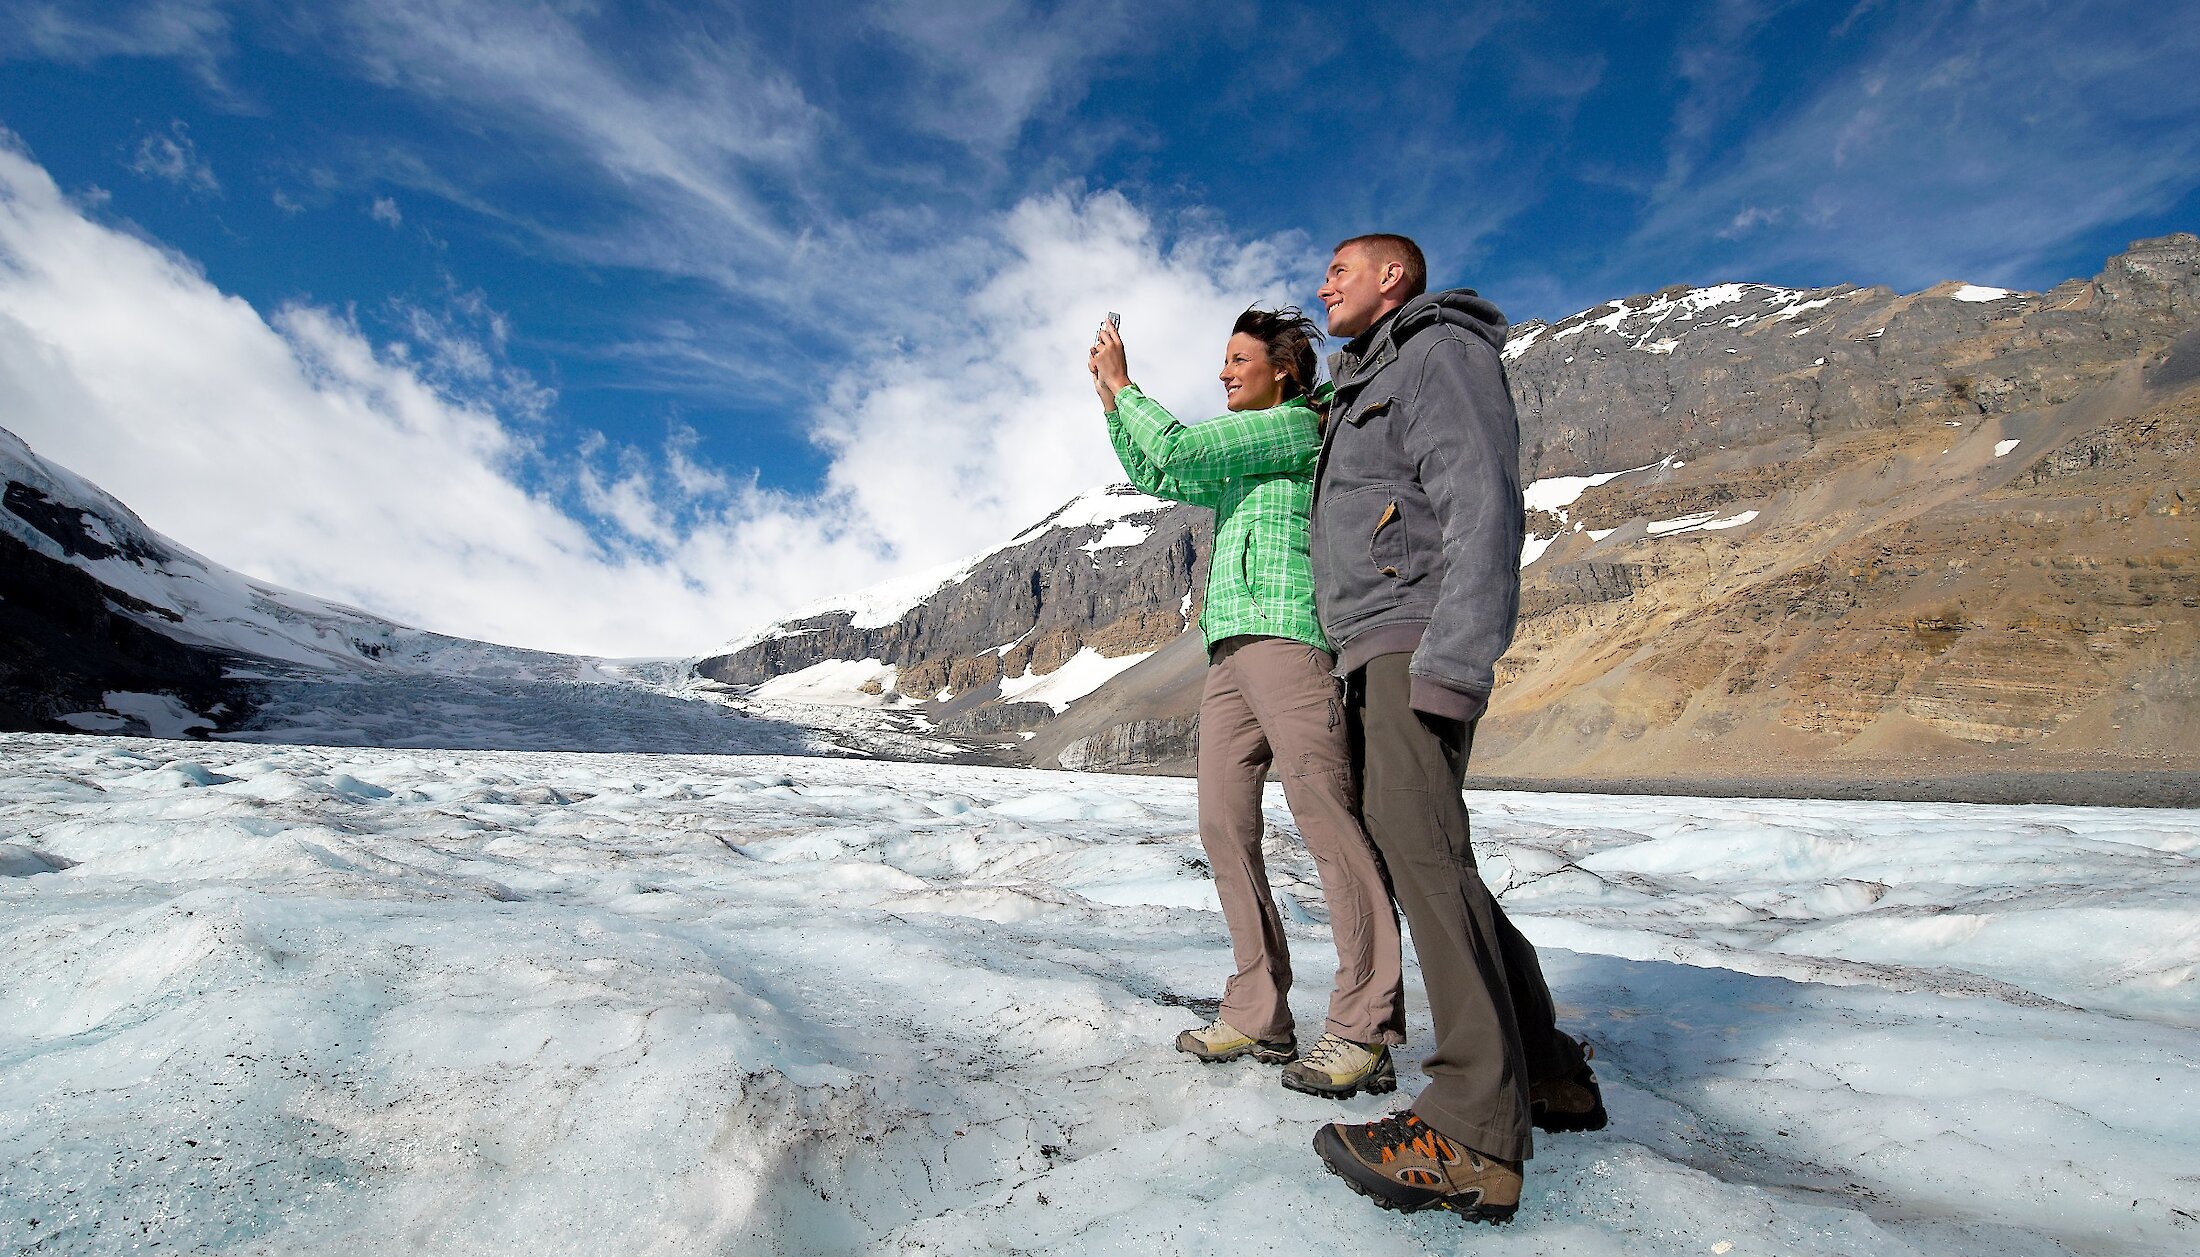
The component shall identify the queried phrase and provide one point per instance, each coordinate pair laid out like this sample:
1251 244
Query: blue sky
740 305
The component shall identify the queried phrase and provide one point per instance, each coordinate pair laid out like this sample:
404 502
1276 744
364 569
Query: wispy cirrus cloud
81 31
695 130
1719 70
1968 141
988 68
693 157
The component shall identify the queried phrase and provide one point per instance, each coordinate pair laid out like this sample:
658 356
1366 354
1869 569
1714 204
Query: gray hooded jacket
1417 507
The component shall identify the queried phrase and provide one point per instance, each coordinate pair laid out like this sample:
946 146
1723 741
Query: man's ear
1394 274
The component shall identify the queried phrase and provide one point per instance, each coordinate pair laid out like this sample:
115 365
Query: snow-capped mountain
106 626
999 645
65 518
1685 370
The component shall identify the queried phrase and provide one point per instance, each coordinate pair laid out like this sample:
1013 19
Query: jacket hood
1461 307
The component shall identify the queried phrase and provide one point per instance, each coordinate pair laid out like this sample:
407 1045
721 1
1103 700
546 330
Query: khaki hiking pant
1273 700
1496 1031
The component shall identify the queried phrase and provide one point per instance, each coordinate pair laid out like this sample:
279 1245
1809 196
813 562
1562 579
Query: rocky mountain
1684 370
1867 535
998 645
1826 534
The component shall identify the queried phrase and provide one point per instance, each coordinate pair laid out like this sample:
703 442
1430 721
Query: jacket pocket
1245 563
1361 414
1390 547
1347 568
1402 544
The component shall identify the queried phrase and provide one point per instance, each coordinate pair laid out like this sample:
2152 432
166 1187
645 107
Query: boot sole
1560 1121
1338 1160
1264 1055
1382 1081
1565 1123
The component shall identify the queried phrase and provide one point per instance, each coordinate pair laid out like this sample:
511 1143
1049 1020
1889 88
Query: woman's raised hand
1110 366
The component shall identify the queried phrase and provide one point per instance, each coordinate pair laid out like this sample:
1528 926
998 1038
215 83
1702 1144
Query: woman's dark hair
1289 336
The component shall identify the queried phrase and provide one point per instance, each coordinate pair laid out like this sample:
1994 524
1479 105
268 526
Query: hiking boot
1571 1101
1401 1163
1220 1041
1340 1069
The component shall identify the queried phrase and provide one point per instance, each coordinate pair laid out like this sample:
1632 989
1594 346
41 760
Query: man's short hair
1389 248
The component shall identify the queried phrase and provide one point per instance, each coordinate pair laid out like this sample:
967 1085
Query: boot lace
1328 1053
1393 1134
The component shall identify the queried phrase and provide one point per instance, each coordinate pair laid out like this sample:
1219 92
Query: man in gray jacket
1416 539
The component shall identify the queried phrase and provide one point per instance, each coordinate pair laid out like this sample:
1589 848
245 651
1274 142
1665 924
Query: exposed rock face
997 718
1686 370
1567 584
1067 585
1133 743
66 640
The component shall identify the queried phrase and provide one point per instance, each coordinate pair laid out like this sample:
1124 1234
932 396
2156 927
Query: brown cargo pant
1273 700
1496 1031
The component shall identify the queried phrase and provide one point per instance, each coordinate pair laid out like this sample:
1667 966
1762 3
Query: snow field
1081 674
288 999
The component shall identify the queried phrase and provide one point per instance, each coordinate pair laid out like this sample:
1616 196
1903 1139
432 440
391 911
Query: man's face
1354 292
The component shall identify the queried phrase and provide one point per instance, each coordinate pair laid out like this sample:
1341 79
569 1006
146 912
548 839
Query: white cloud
385 211
290 448
694 480
396 477
978 432
1748 219
175 158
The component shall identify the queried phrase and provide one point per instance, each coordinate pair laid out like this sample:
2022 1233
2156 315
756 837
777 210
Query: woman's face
1248 382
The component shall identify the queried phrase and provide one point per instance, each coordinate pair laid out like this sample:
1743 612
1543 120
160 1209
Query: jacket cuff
1438 699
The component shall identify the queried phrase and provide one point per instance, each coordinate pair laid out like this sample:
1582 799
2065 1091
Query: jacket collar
1367 353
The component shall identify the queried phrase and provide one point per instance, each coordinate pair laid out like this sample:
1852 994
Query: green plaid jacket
1255 470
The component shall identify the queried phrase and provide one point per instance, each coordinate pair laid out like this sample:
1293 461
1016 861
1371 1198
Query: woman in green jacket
1269 699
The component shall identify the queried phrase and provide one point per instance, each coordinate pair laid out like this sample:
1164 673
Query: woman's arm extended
1280 440
1151 479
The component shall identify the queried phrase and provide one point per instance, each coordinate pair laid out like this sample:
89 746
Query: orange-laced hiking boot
1402 1163
1571 1101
